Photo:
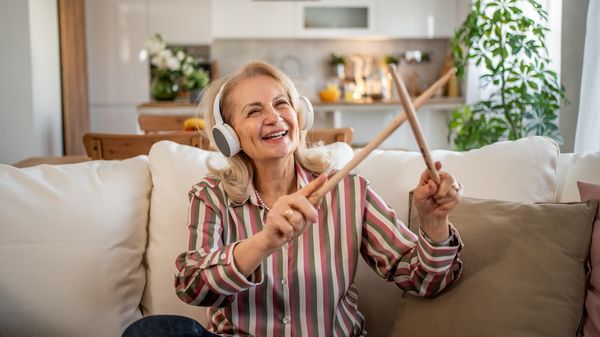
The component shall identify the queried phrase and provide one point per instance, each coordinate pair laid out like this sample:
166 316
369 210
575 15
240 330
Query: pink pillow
591 325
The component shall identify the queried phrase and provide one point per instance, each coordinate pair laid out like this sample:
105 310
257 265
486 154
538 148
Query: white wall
574 15
45 64
30 105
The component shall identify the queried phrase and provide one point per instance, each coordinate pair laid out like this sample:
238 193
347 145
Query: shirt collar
303 177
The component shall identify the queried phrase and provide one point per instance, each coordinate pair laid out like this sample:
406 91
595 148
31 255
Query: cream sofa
85 249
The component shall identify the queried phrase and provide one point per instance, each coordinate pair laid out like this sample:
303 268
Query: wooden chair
119 146
332 135
153 124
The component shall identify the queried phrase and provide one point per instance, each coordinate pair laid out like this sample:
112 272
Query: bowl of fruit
330 94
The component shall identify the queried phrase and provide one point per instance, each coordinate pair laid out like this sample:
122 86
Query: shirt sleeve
206 273
415 263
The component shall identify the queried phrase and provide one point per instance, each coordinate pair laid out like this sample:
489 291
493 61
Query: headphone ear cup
307 113
226 139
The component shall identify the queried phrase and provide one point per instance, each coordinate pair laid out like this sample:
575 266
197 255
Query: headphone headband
217 105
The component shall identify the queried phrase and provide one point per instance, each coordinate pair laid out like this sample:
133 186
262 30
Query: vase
163 88
340 71
196 96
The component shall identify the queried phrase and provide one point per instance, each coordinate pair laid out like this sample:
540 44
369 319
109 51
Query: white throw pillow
522 170
573 167
72 241
175 168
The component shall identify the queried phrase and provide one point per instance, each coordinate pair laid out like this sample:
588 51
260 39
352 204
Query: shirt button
223 256
283 281
285 320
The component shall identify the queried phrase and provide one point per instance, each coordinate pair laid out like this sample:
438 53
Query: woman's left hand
434 202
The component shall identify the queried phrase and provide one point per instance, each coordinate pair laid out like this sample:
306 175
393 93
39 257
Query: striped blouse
306 288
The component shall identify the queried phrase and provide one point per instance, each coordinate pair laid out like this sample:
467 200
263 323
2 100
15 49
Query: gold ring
288 213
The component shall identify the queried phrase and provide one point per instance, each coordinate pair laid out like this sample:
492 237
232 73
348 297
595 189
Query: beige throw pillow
523 273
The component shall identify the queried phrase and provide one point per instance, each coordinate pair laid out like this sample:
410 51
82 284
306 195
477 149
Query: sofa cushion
175 168
522 170
574 167
591 325
72 239
524 272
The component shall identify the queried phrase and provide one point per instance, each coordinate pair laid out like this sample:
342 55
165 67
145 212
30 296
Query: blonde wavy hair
236 176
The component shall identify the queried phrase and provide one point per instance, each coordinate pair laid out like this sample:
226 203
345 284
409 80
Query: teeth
275 135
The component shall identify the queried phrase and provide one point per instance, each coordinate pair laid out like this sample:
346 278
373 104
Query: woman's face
263 118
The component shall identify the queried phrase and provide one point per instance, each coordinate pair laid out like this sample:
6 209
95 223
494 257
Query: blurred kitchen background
300 37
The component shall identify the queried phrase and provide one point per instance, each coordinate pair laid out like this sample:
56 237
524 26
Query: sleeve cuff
452 240
437 257
225 277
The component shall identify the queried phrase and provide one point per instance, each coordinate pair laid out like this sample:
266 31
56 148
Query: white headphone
227 140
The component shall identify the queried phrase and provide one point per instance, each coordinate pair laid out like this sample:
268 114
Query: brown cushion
523 273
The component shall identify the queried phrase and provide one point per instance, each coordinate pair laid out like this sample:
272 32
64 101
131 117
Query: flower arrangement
173 69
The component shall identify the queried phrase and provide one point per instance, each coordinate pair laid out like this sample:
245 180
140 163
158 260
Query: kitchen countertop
434 102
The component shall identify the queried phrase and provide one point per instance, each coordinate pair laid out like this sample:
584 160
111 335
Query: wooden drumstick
382 136
411 114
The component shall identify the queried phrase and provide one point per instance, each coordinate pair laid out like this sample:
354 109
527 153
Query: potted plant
194 78
391 59
511 46
172 69
338 62
165 68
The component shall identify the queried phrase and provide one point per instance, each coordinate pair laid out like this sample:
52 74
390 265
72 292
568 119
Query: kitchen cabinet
254 19
234 19
186 22
419 18
116 31
336 18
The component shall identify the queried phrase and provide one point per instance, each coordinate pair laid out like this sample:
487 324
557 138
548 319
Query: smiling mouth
276 135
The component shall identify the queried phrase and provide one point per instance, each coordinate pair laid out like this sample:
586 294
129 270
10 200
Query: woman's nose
272 116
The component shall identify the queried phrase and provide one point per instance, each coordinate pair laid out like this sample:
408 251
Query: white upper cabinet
181 21
115 36
336 18
419 18
254 19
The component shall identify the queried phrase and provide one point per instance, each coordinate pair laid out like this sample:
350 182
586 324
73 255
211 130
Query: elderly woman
268 262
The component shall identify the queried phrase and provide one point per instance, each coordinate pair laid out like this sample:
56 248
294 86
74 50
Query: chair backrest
332 135
151 124
122 146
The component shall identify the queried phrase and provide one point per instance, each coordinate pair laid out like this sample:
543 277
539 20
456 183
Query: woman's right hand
291 214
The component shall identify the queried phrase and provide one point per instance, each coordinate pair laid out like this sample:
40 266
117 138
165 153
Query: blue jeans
166 326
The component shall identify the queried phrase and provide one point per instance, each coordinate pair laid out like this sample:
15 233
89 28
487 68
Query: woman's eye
281 103
252 112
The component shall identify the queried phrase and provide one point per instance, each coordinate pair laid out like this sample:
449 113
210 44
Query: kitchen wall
306 60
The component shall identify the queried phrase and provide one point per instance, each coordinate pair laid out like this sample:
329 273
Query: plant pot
163 88
196 96
340 70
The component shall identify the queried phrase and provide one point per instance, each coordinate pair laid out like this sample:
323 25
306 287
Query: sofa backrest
523 170
573 167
